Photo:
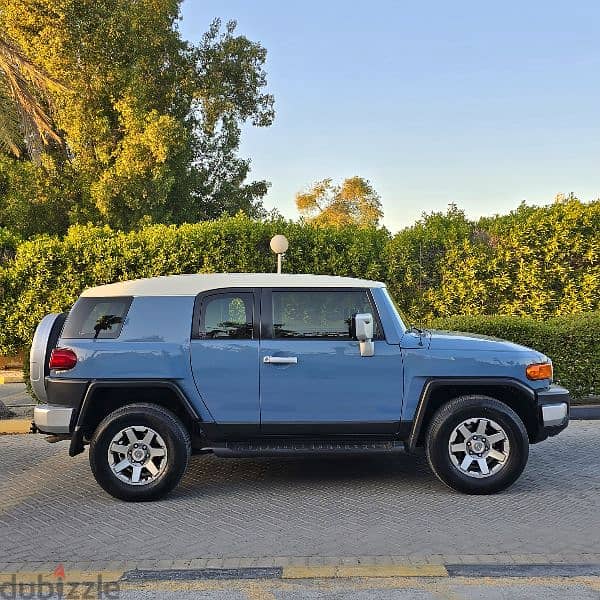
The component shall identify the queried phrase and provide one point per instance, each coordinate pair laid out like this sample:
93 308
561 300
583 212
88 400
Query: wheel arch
437 391
105 396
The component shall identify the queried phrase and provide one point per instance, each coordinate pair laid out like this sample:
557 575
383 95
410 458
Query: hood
456 340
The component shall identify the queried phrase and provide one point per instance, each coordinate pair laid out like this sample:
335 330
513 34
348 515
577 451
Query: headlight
539 371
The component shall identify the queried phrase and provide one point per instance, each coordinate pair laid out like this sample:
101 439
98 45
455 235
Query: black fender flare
435 383
76 446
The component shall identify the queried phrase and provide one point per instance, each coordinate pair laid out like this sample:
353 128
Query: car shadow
208 474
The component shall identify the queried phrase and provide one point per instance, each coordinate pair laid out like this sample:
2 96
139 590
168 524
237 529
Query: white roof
190 285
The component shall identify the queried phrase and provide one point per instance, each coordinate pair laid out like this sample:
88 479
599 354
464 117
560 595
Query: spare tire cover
44 341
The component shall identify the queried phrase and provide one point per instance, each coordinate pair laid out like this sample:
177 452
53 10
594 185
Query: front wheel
477 445
139 452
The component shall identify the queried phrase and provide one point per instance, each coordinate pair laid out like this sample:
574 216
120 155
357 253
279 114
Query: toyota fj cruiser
149 371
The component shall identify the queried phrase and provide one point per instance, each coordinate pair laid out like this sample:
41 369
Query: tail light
62 359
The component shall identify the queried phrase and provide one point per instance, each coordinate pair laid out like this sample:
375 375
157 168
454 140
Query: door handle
280 360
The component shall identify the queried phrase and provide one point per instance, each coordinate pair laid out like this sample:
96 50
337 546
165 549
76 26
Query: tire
159 438
504 457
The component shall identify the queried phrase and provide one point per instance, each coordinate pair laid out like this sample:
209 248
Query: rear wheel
477 445
139 452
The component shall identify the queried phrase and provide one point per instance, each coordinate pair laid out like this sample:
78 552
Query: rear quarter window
96 318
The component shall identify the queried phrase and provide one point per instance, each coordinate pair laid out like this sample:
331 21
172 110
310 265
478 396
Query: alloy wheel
137 455
479 447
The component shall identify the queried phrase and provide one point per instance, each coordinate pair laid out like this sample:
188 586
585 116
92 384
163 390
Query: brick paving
351 510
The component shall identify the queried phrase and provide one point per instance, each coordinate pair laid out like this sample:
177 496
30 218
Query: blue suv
148 372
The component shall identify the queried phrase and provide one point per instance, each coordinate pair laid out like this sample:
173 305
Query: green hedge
572 342
535 261
8 245
48 273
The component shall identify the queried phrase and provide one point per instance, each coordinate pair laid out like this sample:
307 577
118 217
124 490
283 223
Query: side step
289 447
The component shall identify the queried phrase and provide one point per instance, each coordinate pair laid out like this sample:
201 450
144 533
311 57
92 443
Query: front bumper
555 414
554 403
50 418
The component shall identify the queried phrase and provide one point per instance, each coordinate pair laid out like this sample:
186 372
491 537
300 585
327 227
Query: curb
224 574
15 426
590 412
4 379
48 577
345 572
202 574
317 572
524 570
472 571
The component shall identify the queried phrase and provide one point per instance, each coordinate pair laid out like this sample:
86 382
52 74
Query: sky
482 104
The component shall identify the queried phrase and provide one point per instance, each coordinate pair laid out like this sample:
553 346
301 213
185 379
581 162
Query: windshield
397 313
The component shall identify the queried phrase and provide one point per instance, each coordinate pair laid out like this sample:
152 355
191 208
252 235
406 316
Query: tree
152 123
24 117
229 83
355 202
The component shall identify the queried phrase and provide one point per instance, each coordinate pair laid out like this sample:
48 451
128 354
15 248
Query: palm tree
25 122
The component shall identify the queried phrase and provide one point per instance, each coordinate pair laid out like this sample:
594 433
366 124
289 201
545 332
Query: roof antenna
279 246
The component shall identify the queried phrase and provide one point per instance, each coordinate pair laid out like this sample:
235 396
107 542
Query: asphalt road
16 399
390 591
383 590
351 589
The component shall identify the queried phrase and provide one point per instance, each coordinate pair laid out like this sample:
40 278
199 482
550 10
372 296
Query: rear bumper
554 403
64 397
49 418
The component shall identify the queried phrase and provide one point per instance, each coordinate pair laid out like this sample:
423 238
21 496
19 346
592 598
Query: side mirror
362 330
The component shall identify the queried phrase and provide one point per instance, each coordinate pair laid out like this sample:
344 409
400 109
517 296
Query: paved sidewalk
226 511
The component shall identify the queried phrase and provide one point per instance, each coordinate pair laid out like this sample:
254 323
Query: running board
285 447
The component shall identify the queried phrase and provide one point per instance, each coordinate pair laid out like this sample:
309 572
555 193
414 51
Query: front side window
227 316
96 318
318 314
